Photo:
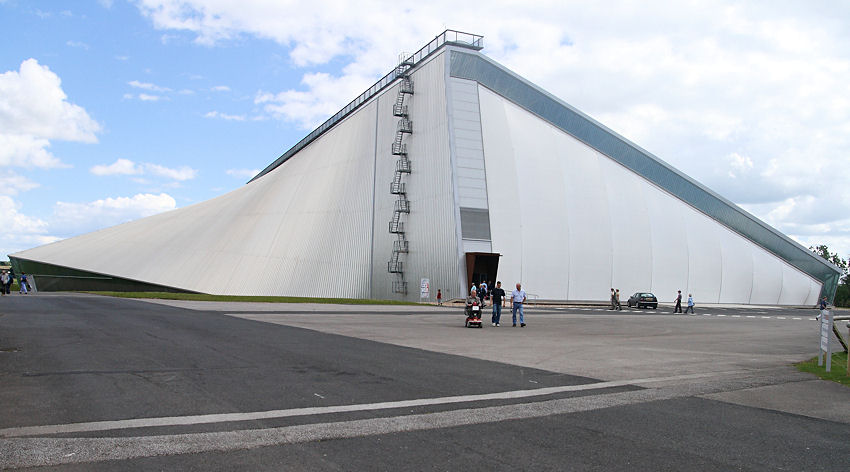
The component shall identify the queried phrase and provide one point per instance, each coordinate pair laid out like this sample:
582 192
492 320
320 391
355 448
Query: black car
643 299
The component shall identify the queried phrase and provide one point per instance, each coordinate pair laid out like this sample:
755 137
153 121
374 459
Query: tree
842 295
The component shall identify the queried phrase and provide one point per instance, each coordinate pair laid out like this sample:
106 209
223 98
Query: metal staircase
402 167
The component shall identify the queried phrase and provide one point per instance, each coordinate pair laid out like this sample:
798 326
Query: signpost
425 289
825 330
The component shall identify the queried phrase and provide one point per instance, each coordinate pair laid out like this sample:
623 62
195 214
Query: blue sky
113 110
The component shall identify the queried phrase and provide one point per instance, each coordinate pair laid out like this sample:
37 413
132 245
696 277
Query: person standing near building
678 307
4 280
617 299
518 297
482 292
439 297
23 282
690 303
498 296
613 300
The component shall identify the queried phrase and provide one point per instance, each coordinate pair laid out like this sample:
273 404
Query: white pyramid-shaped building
451 169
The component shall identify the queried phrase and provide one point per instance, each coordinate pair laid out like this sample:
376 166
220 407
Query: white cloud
128 167
181 173
12 183
77 44
119 167
20 231
243 173
758 90
326 95
220 88
738 164
151 98
147 86
33 111
224 116
75 218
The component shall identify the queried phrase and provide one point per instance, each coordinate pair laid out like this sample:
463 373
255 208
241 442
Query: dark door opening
481 267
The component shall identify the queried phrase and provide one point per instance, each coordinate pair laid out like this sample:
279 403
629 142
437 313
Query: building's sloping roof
490 74
446 38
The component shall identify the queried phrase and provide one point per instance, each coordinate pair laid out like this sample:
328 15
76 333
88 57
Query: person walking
4 281
518 297
617 299
678 307
613 300
439 297
482 292
498 296
821 307
690 303
23 282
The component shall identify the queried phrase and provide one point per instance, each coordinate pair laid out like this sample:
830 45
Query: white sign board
425 289
825 330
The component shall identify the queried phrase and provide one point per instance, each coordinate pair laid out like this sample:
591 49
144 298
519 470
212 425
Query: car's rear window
646 295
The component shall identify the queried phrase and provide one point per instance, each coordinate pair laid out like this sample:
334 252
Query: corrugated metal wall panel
303 229
620 229
431 223
477 67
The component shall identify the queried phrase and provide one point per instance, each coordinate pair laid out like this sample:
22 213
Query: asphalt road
92 383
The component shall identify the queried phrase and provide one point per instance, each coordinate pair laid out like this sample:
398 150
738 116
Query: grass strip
242 298
837 374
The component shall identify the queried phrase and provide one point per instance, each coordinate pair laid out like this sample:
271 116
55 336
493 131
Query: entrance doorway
481 267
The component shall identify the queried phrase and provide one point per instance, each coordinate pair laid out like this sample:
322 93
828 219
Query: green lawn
233 298
838 372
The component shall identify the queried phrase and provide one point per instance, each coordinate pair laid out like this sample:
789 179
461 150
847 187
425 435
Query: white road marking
33 452
765 317
308 411
750 316
721 315
736 316
796 318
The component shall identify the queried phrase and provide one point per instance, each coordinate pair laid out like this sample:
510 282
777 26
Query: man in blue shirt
518 297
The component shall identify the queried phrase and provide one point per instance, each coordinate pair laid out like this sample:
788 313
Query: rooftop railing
447 37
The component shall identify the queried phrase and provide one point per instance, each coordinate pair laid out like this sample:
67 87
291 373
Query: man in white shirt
518 297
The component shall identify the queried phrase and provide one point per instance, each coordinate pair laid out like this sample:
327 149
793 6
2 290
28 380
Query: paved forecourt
94 383
587 341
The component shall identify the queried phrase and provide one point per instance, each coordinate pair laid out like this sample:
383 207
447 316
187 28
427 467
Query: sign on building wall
425 289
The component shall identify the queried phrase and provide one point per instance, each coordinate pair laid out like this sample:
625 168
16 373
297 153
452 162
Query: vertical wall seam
753 278
374 184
